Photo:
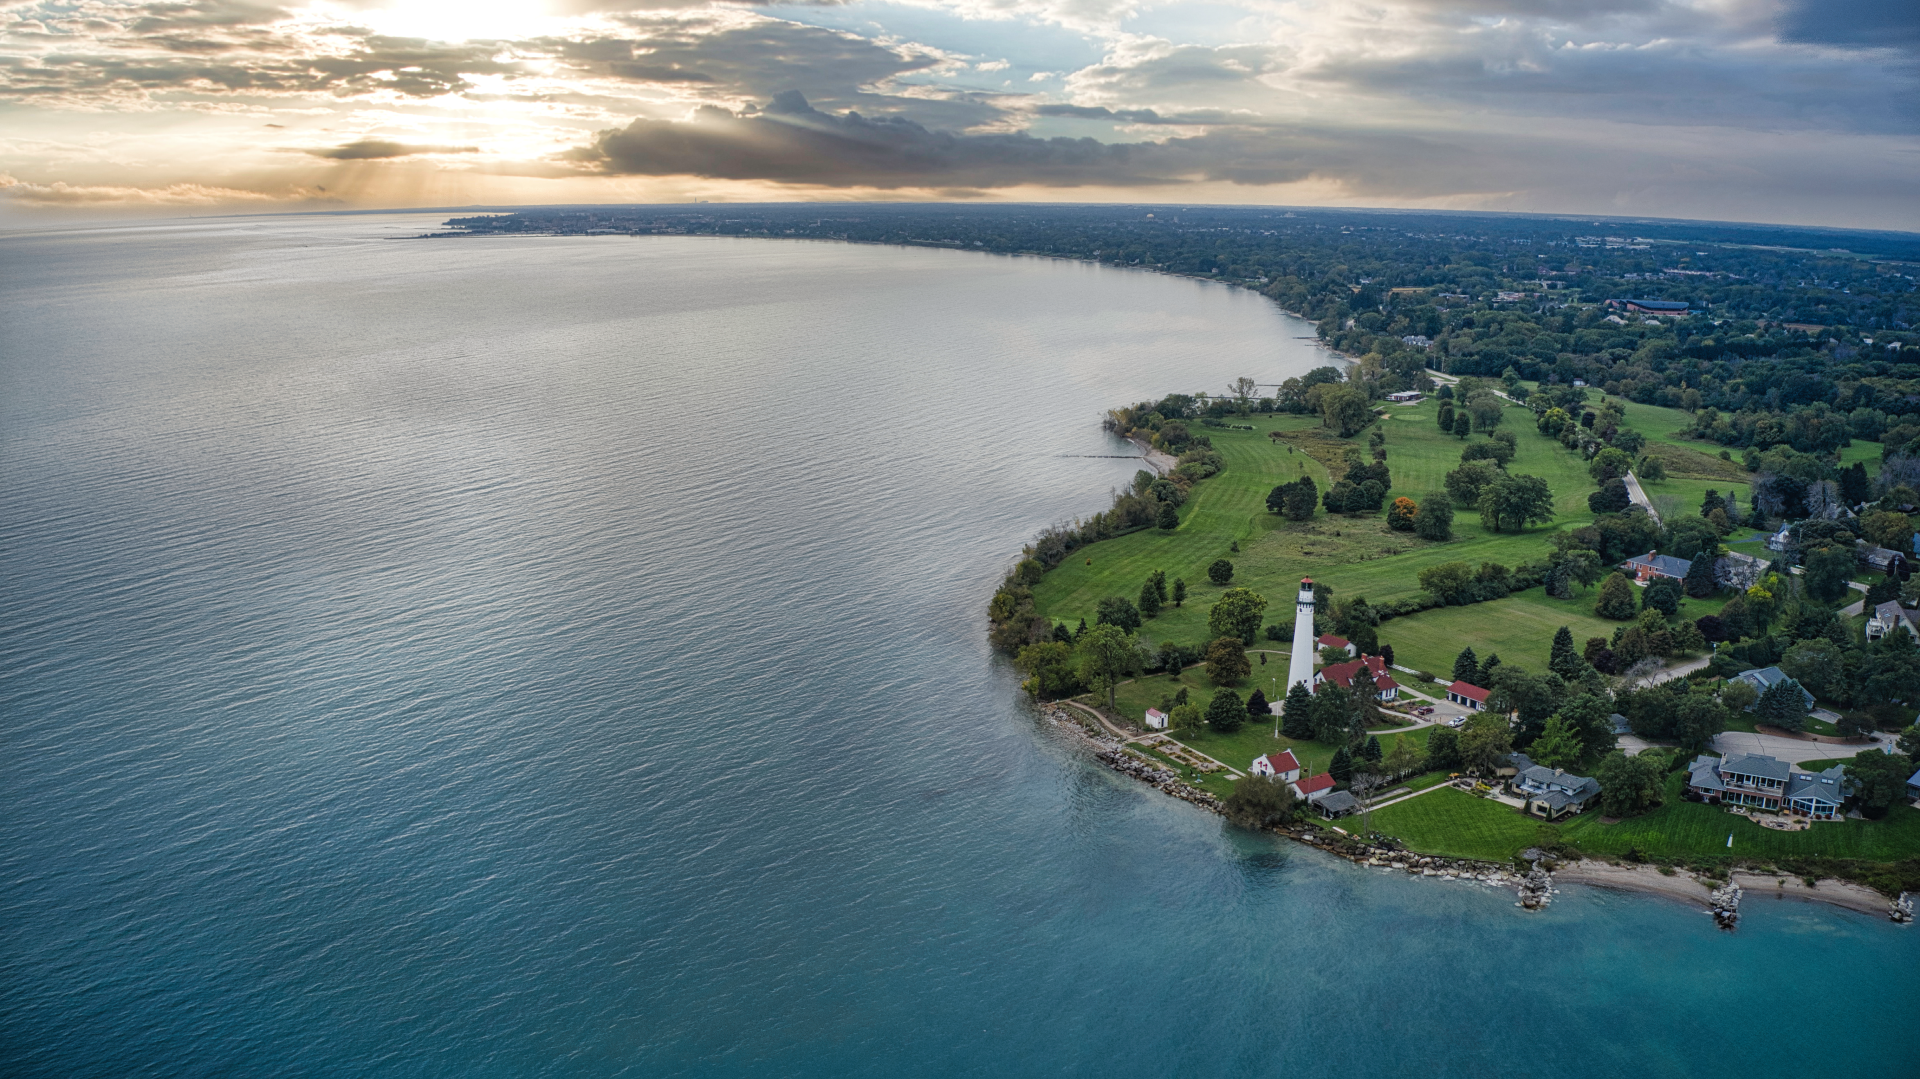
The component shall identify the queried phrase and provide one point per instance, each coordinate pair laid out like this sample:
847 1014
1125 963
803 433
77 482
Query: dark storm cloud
1853 24
380 149
792 142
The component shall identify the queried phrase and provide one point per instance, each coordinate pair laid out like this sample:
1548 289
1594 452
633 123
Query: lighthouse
1300 667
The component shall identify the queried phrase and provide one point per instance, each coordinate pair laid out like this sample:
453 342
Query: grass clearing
1460 825
1682 829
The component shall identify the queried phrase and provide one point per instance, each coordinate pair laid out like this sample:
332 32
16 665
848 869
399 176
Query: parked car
1457 721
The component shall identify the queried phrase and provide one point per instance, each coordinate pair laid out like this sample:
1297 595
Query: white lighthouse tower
1300 666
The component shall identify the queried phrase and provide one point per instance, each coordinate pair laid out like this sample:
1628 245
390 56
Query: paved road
1639 497
1791 750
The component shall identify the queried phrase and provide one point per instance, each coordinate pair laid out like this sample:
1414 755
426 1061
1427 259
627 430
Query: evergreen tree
1159 579
1466 667
1179 591
1372 750
1257 705
1486 668
1443 749
1558 746
1564 661
1616 598
1783 705
1855 488
1462 425
1661 594
1699 581
1082 631
1296 715
1434 521
1168 518
1445 418
1149 601
1342 767
1711 502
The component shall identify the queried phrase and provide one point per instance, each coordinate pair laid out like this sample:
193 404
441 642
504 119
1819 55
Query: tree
1168 518
1187 718
1563 660
1227 661
1434 521
1828 569
1652 469
1261 802
1443 749
1590 717
1257 706
1403 760
1463 425
1890 529
1609 464
1226 712
1149 600
1738 696
1371 750
1783 705
1661 594
1342 766
1301 497
1333 713
1466 667
1879 779
1712 501
1106 656
1464 484
1699 582
1159 579
1050 663
1402 514
1220 572
1296 715
1558 745
1445 418
1118 611
1612 497
1237 613
1629 785
1485 743
1179 591
1511 503
1910 743
1616 598
1697 717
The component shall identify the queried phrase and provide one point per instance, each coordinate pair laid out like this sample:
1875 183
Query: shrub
1221 572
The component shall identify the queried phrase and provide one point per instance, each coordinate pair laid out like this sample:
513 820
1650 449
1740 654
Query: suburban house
1417 340
1360 674
1650 565
1620 725
1878 557
1281 765
1913 785
1888 617
1651 307
1764 678
1551 793
1470 697
1156 719
1768 783
1313 788
1336 804
1406 397
1330 641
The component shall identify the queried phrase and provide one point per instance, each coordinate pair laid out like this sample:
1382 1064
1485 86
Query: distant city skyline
1790 111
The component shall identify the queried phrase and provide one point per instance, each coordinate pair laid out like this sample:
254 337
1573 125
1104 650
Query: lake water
564 657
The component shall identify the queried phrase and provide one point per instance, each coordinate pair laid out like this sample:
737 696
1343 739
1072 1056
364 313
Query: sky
1793 111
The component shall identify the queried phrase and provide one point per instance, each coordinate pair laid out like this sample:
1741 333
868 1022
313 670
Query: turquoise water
536 657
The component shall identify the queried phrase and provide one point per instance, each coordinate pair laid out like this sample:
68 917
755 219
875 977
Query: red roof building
1330 641
1468 696
1360 673
1314 787
1281 764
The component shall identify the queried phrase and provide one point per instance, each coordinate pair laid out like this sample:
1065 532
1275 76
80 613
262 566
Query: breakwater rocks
1534 888
1724 905
1902 911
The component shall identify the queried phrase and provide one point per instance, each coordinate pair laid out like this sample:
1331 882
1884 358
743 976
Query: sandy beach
1756 886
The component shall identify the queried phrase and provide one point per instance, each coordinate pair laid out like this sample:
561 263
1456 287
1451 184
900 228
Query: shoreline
1687 888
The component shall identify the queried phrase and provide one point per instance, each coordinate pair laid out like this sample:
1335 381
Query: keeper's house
1281 765
1470 697
1363 675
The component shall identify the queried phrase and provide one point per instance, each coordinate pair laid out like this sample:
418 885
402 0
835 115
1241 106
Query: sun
456 20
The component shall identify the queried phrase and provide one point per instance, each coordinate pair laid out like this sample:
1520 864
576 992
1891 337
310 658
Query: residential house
1768 783
1406 397
1551 793
1281 764
1367 672
1781 540
1763 679
1313 788
1620 724
1156 719
1650 565
1336 804
1417 340
1878 557
1888 617
1652 307
1467 696
1579 383
1330 641
1913 786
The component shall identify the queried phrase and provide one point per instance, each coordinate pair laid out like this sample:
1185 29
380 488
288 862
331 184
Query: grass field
1458 824
1520 628
1356 556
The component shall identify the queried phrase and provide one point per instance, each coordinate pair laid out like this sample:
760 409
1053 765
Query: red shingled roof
1283 761
1330 641
1472 693
1312 784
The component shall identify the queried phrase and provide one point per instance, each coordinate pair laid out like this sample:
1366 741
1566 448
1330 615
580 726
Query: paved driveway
1791 750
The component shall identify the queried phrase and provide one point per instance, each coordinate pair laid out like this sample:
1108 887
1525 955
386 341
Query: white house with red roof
1313 788
1281 765
1156 719
1330 641
1467 696
1358 674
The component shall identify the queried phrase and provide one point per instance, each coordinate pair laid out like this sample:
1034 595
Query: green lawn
1460 825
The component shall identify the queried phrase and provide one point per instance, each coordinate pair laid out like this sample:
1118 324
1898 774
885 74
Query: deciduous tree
1511 503
1227 661
1237 613
1629 785
1261 802
1106 656
1118 611
1220 572
1226 712
1402 514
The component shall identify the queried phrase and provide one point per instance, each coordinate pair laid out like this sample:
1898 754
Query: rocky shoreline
1533 889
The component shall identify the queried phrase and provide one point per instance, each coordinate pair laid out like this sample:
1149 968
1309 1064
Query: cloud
1853 24
378 149
64 194
791 142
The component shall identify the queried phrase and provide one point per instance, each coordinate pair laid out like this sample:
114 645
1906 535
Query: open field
1460 825
1356 556
1520 628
